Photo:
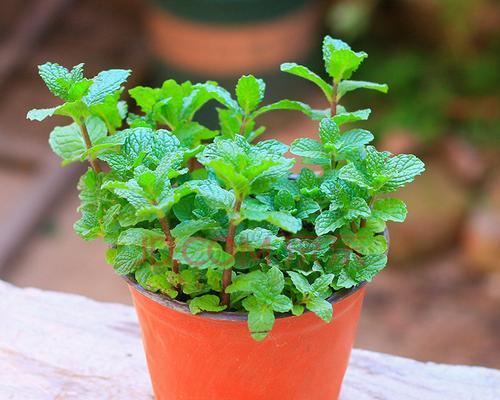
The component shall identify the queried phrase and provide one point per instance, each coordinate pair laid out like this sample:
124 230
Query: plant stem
370 204
243 125
333 105
231 249
88 144
170 243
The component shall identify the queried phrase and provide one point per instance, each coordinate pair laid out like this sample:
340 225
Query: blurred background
439 299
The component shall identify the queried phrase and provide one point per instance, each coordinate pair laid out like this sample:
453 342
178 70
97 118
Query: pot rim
183 307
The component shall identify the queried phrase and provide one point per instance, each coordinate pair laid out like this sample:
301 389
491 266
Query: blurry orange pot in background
213 357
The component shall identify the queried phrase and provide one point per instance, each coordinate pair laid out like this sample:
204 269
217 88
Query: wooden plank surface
62 346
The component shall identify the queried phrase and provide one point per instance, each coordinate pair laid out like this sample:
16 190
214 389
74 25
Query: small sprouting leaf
340 60
250 92
329 131
105 84
207 302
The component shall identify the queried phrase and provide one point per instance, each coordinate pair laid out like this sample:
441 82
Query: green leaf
207 302
202 253
346 117
257 238
340 60
41 113
284 221
321 308
190 227
287 105
306 73
213 193
348 86
67 142
145 97
105 84
59 80
329 131
352 140
141 237
390 210
260 318
300 282
250 92
283 200
310 149
155 278
364 241
328 221
127 259
402 169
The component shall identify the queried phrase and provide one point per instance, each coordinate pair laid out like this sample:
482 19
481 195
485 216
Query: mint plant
214 220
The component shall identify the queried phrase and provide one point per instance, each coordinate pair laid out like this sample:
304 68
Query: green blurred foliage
441 60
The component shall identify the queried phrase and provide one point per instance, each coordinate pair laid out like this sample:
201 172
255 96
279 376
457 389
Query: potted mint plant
247 280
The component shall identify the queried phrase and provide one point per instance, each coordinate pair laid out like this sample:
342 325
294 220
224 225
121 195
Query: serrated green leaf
39 114
67 142
145 97
340 60
346 117
329 131
105 84
127 259
322 308
190 227
352 140
310 149
364 241
329 221
300 282
207 302
156 279
260 318
146 238
213 193
257 238
288 105
250 92
348 86
198 252
390 210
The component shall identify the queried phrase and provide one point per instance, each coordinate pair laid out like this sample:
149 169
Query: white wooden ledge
62 346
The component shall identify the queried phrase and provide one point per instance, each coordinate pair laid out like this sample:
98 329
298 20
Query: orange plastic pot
213 357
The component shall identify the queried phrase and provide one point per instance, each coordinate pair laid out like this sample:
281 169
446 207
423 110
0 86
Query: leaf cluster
194 213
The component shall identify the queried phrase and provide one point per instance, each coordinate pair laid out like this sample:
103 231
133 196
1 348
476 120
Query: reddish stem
170 244
88 144
333 105
231 249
